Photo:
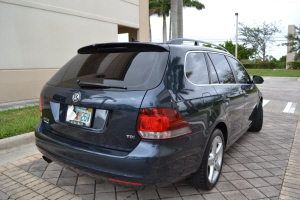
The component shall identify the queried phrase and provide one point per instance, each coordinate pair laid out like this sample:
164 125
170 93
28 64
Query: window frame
208 69
209 62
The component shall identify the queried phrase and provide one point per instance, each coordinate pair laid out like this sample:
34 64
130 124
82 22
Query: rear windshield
134 70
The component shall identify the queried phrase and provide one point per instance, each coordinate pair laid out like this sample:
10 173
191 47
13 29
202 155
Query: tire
207 176
257 121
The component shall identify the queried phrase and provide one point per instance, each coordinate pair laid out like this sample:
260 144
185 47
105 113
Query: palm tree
179 19
160 8
185 3
193 3
174 9
163 7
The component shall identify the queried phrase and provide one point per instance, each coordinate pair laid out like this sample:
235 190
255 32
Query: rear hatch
95 97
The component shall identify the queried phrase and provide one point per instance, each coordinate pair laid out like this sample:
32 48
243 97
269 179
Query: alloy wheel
215 160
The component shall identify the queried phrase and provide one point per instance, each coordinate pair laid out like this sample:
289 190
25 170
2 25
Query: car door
198 98
248 89
230 94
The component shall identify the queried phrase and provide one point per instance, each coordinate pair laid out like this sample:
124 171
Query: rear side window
223 69
196 68
240 71
134 70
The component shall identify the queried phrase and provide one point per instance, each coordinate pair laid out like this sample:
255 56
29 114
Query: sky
217 22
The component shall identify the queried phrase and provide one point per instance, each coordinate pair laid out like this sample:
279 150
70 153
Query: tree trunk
164 29
174 18
264 54
180 19
150 35
170 29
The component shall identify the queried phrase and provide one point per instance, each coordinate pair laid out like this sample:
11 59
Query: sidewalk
18 104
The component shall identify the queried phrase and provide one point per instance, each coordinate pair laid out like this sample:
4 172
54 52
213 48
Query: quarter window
240 71
223 69
196 68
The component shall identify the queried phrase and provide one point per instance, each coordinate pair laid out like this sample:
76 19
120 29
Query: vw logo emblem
76 96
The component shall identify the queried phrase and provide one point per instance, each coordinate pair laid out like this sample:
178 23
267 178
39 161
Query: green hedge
267 65
294 65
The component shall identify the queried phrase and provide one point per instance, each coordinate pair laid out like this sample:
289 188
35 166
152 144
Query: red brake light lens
161 123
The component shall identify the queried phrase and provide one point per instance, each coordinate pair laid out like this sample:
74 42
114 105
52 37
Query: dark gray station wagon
141 114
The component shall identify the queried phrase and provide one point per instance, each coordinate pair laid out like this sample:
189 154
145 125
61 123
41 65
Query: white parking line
287 107
293 108
265 102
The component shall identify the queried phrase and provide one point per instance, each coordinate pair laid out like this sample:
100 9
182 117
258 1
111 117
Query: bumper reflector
124 182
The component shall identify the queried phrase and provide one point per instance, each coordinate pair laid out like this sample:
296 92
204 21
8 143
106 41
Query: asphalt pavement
281 94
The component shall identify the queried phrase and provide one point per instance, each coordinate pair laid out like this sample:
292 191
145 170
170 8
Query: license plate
79 115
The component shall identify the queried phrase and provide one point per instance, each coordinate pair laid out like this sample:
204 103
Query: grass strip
275 72
18 121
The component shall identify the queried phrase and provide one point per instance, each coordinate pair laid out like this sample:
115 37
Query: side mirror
257 79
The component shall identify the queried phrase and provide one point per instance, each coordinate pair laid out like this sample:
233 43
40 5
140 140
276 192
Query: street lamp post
236 36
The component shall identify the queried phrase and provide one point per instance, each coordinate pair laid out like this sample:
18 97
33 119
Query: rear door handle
245 94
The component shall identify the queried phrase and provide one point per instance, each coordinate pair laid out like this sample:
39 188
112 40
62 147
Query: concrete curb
16 142
18 104
298 79
288 191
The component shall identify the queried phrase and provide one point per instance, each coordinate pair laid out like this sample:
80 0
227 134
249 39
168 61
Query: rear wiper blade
97 85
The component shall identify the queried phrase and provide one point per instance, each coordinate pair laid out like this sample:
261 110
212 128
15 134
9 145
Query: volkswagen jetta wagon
142 114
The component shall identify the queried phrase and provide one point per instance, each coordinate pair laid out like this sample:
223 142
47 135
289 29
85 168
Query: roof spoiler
122 47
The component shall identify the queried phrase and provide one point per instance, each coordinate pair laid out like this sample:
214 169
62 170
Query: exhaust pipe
48 160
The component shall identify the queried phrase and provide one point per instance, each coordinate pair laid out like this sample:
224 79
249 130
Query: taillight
161 123
41 105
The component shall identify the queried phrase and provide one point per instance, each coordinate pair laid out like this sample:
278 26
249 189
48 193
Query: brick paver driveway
260 165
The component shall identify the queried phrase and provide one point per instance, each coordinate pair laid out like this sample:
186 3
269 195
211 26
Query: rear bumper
151 163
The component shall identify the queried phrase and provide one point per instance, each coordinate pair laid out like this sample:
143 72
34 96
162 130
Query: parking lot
262 165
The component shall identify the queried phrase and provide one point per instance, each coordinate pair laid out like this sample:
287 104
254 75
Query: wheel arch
222 126
260 96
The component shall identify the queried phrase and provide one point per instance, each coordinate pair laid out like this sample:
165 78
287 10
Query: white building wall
40 36
290 56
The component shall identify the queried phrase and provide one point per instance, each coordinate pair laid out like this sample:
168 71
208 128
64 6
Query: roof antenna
134 40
